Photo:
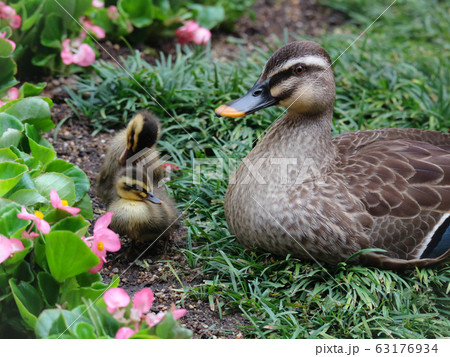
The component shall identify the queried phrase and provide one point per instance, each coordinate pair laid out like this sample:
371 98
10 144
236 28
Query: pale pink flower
116 298
13 93
153 319
62 204
113 14
192 32
104 240
8 247
170 167
37 218
201 36
99 4
124 333
13 44
83 56
2 103
7 12
96 30
142 302
29 235
15 22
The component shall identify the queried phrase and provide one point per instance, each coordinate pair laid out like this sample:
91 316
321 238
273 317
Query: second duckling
142 211
142 133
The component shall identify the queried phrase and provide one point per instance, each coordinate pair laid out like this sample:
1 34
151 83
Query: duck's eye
299 69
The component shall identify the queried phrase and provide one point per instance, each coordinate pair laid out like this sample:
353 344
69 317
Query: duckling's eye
299 69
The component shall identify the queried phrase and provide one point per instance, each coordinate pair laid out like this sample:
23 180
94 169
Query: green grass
395 76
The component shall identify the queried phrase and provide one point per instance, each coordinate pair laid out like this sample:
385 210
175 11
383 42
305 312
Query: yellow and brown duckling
139 138
142 211
306 193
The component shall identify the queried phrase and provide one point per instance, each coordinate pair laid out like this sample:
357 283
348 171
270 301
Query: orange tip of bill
227 111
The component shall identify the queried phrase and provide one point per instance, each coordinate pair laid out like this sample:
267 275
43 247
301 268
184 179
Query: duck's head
133 184
299 76
142 132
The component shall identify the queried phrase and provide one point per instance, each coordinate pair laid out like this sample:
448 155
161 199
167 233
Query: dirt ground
74 143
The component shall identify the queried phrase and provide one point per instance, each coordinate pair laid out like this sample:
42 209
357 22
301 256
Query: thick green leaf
68 255
11 137
87 279
49 288
32 110
5 48
31 90
70 170
208 16
75 224
24 272
61 183
9 223
40 148
52 33
28 301
85 331
140 12
165 329
10 174
49 322
86 207
7 155
9 121
27 197
68 10
8 71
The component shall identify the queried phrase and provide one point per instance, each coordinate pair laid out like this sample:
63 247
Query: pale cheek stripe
305 60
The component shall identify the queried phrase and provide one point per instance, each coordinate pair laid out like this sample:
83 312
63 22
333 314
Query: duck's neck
304 137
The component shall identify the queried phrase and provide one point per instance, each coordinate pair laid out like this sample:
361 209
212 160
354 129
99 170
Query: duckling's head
299 76
133 185
142 132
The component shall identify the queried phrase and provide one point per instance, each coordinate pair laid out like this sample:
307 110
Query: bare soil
74 143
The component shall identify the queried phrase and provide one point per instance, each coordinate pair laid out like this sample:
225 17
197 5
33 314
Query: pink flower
201 36
124 333
37 218
15 22
113 14
153 319
104 240
8 247
170 167
116 298
7 12
142 302
192 32
83 56
13 44
62 204
29 235
96 30
98 4
13 93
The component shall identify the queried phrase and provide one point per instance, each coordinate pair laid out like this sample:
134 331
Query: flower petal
42 226
6 248
153 319
25 215
97 268
110 240
124 333
104 221
115 298
54 199
179 313
16 244
143 300
71 210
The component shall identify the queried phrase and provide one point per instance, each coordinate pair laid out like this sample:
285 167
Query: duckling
142 211
142 133
302 192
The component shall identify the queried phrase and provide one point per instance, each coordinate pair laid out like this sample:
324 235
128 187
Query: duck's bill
152 198
257 98
126 154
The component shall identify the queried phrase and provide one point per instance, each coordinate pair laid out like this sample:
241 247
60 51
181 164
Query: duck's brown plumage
386 188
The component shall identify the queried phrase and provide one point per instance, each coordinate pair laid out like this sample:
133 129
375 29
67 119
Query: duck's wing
403 184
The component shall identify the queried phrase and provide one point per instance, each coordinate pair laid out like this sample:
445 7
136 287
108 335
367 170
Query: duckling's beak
124 156
152 198
257 98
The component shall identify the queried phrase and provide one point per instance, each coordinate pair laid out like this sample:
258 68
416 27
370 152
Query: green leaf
140 12
208 16
49 288
86 207
7 155
11 263
32 110
68 10
6 48
11 137
68 255
9 223
70 170
28 301
61 183
85 331
8 121
165 328
31 90
40 148
52 31
10 174
23 272
27 197
87 279
75 224
50 322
